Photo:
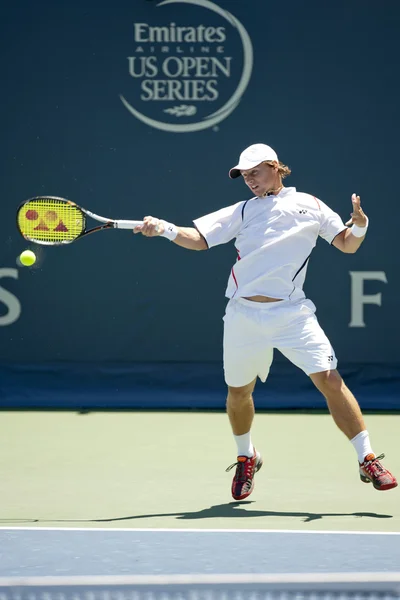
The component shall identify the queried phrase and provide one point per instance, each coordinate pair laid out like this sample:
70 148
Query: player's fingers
353 215
146 225
356 200
142 228
150 226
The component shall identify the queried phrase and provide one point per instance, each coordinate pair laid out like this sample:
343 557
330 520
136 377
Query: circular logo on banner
189 76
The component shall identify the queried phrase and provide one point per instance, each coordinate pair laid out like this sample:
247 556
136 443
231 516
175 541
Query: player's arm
218 227
350 240
186 237
190 238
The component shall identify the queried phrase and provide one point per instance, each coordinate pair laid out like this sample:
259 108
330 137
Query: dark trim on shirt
302 266
339 234
243 209
197 229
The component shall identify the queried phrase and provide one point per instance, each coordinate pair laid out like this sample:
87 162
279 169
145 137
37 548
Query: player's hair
283 170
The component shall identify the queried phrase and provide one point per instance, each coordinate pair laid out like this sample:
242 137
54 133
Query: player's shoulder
308 200
251 204
231 208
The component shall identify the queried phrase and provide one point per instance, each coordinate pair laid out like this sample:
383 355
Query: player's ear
273 164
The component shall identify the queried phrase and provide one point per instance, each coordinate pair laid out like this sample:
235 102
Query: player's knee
238 395
328 382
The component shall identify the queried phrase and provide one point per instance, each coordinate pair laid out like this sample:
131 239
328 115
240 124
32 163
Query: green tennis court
167 470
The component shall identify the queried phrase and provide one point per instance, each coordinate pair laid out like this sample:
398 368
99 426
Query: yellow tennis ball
27 258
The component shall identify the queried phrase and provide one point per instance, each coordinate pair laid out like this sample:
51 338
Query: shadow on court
231 510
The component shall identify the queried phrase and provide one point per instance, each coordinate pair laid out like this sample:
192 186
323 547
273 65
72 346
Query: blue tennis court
98 552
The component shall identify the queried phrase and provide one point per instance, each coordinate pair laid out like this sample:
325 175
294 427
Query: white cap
251 157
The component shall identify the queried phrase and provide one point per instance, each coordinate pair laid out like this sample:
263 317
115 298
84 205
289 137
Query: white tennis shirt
274 237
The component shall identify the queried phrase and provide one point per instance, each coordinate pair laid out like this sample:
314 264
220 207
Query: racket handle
127 224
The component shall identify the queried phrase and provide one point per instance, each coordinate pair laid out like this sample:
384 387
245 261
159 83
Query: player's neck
278 187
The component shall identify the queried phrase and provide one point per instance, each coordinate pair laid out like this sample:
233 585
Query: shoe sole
243 496
382 488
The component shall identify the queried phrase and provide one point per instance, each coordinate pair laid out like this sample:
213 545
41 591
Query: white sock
362 445
244 445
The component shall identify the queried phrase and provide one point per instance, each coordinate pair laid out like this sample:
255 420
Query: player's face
260 179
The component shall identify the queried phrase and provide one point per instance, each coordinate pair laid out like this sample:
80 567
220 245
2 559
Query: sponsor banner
187 71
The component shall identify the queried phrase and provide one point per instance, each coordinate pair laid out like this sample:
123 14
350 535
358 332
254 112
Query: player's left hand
358 217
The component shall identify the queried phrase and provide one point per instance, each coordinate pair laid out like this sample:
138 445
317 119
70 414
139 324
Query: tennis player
275 232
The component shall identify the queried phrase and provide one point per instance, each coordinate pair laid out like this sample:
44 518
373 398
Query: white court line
217 579
176 530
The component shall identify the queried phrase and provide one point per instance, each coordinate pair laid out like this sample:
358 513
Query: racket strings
50 220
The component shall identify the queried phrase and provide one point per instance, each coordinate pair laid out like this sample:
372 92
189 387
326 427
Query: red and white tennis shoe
372 471
243 481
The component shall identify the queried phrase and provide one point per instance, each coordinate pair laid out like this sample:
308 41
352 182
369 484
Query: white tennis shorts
253 329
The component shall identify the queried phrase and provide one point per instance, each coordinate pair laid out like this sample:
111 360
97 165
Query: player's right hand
151 227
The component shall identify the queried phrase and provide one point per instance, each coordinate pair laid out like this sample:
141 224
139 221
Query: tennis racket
54 221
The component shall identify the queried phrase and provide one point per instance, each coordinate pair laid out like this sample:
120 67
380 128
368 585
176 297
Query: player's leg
342 405
240 409
246 356
305 344
347 415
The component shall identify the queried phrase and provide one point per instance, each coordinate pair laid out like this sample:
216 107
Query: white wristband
359 231
170 230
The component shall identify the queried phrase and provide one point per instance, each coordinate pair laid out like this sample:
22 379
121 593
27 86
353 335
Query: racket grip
127 224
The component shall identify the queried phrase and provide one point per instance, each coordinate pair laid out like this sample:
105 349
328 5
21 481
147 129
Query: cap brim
234 173
244 166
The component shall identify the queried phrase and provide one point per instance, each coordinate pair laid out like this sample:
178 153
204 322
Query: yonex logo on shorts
302 212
